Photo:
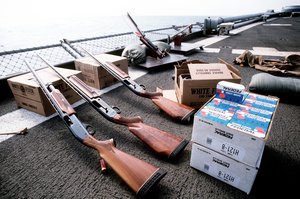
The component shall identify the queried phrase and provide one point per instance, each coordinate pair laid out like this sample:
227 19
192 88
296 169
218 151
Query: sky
42 9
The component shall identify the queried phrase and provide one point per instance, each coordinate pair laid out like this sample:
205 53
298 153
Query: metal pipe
212 24
240 18
237 25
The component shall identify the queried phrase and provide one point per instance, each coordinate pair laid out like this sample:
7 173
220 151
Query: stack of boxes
29 95
229 134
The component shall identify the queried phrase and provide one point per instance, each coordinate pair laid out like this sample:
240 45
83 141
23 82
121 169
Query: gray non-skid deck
50 163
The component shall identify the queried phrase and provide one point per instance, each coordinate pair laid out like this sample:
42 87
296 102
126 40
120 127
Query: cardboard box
29 95
212 129
223 168
196 92
94 75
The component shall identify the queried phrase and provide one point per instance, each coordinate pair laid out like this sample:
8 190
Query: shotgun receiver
139 175
163 143
155 51
177 111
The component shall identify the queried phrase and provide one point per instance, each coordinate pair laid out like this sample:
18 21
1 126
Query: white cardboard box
230 171
196 92
235 144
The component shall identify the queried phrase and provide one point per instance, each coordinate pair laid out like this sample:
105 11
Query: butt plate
178 149
188 117
151 182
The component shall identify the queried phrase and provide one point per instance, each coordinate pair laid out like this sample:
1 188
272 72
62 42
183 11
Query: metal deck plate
152 62
185 48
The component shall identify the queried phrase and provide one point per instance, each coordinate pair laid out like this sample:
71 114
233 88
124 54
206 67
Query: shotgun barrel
155 51
139 175
163 143
178 112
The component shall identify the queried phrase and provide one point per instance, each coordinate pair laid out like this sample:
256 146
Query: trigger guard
141 85
89 128
116 109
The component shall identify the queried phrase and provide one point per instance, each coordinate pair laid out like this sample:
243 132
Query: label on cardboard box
223 168
231 150
209 71
203 92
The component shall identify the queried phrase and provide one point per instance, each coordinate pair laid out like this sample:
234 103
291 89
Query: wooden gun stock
163 143
139 175
177 111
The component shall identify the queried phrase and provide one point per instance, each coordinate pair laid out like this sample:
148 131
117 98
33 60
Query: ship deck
49 163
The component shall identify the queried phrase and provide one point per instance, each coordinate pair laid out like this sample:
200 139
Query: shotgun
177 111
155 51
180 33
163 143
140 176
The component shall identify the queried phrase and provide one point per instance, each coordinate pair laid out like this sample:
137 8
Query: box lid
106 57
47 75
209 71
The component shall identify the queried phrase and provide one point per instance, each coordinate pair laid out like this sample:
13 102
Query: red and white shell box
218 129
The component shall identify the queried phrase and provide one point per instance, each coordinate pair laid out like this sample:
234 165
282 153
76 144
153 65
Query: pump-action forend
155 51
140 176
175 110
163 143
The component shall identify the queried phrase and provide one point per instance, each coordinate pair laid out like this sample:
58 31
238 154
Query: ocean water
20 34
